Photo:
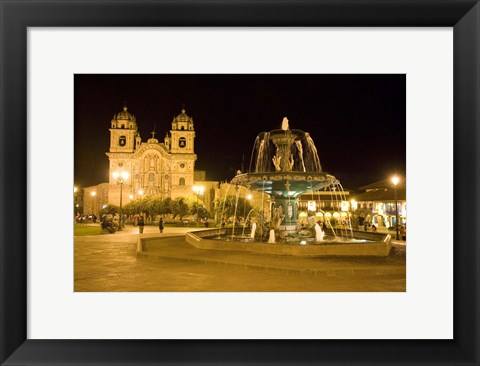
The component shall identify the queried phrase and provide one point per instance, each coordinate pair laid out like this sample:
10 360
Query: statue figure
291 163
285 124
276 162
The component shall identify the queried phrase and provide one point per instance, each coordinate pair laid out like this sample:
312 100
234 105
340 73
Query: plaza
110 263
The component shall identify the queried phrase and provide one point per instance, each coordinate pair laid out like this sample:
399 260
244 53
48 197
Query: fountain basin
273 183
209 240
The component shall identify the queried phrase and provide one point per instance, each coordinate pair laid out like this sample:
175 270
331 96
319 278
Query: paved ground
109 263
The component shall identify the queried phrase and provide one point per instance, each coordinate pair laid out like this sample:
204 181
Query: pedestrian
223 223
206 223
160 225
141 224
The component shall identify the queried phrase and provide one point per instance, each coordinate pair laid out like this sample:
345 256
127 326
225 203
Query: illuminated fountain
285 164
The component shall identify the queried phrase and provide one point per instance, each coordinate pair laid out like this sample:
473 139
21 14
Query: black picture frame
18 15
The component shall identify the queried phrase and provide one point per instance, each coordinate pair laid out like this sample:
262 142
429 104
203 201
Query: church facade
162 169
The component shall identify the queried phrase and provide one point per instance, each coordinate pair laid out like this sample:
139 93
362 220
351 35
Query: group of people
83 219
140 222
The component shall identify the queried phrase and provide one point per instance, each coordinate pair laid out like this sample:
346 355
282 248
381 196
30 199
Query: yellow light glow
93 194
312 206
75 189
131 196
249 196
353 204
115 175
125 175
198 189
395 180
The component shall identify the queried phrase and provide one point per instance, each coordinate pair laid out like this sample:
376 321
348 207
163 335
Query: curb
278 269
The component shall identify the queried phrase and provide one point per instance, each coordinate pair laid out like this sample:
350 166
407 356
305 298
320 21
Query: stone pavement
109 263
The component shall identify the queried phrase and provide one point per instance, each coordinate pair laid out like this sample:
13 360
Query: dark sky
358 122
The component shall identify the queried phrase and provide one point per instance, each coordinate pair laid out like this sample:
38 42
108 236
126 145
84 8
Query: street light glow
249 196
140 192
75 189
131 196
93 193
395 180
198 189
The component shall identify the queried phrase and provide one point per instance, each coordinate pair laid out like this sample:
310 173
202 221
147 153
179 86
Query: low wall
380 248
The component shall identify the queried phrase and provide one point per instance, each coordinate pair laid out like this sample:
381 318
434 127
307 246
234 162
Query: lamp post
120 178
395 181
93 194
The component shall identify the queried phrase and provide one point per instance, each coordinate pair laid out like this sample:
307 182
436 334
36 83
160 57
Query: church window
151 177
123 126
182 128
122 140
181 182
182 142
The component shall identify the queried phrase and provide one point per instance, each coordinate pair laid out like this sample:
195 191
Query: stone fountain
285 164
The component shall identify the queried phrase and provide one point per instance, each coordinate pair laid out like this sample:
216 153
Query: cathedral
151 168
164 169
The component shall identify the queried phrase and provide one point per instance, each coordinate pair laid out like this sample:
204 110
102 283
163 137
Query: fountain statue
319 233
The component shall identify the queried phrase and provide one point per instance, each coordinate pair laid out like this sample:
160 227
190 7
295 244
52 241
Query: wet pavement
109 262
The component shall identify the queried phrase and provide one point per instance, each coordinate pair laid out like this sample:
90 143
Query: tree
109 210
181 207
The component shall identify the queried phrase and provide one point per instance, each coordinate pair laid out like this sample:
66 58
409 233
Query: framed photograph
351 108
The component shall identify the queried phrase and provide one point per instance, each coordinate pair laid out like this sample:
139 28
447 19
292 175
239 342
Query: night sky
358 122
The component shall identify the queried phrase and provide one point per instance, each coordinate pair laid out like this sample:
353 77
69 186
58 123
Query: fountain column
289 208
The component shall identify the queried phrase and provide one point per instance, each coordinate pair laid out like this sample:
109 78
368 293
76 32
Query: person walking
160 225
141 224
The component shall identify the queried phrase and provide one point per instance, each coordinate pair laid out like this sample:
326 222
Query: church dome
125 115
183 117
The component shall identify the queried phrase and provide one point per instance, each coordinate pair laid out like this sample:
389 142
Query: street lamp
93 194
120 178
395 181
